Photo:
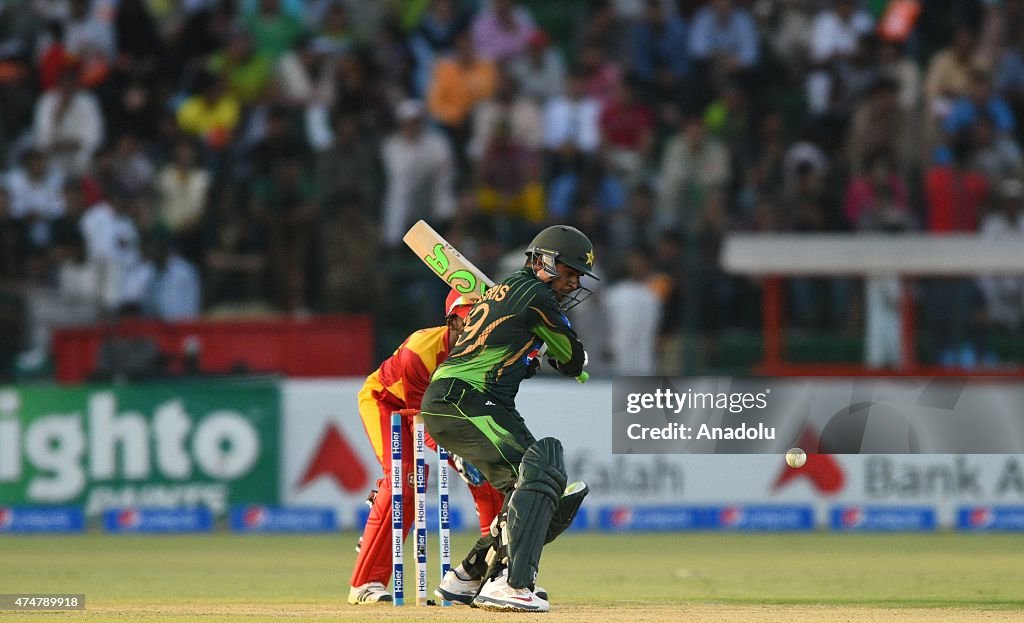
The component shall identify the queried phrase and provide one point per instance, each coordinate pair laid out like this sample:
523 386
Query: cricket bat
446 261
451 266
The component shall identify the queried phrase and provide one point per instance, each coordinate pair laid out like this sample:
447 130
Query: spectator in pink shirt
878 192
627 130
503 31
602 76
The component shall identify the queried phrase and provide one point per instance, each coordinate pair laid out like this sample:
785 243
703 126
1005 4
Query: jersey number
474 322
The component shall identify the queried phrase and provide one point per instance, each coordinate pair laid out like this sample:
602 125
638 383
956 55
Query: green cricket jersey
504 331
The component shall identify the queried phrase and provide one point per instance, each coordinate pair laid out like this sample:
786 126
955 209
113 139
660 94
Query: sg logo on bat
462 280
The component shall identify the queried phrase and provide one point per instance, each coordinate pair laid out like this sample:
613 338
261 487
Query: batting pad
568 505
537 494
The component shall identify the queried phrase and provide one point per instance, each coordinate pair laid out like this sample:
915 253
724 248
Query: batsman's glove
557 366
533 360
467 471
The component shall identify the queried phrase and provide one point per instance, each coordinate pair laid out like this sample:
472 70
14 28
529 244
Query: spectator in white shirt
100 225
86 33
1004 294
883 296
173 292
723 40
112 238
634 313
84 290
37 195
571 120
83 284
520 113
541 71
419 165
695 165
834 37
302 77
69 124
182 188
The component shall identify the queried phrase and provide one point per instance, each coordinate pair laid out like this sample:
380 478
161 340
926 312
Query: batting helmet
567 245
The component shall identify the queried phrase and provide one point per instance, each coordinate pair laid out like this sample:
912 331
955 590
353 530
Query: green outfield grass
225 577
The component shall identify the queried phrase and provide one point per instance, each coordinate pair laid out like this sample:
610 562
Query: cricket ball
796 458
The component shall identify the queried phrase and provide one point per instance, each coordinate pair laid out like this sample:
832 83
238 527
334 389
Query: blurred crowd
172 159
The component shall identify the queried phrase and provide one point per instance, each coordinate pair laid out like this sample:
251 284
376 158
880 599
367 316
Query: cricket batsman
399 383
469 408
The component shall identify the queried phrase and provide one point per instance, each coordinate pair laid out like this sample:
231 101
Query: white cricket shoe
369 593
456 590
497 595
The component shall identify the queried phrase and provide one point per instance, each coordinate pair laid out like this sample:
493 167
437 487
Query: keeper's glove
470 474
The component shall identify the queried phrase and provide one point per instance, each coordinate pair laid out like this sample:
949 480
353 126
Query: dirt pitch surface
565 613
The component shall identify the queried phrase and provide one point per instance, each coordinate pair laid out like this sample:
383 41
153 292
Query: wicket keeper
397 384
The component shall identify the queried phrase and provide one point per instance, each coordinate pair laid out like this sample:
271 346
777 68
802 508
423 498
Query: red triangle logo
336 459
821 469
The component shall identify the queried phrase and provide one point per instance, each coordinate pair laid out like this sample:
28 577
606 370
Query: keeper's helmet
457 304
569 246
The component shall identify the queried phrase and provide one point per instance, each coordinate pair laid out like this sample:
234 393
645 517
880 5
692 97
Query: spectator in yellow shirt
211 113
